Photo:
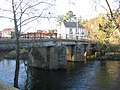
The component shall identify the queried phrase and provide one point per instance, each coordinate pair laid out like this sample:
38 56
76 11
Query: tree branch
100 5
6 17
113 18
19 5
29 6
28 20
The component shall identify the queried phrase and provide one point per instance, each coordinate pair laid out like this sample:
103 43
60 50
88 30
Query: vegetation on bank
12 54
111 53
105 31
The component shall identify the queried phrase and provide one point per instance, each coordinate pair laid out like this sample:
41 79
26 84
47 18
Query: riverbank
6 87
12 54
110 56
106 56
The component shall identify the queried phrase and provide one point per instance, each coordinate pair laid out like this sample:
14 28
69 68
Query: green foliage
101 29
68 17
23 51
102 37
106 27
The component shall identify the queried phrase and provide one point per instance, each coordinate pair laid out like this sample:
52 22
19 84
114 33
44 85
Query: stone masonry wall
58 57
49 57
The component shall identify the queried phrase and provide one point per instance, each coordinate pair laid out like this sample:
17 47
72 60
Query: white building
71 30
8 33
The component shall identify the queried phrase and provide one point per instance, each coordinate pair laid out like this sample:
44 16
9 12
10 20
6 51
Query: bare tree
24 12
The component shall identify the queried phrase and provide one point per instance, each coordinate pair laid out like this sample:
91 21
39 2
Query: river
91 75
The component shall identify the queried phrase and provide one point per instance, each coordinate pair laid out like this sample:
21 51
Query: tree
109 29
110 14
24 12
100 29
68 17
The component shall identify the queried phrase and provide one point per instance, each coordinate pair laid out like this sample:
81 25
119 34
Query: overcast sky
83 8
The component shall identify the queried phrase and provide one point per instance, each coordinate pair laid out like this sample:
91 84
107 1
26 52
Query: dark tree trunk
17 48
17 63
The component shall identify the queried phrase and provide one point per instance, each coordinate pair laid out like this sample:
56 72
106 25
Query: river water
91 75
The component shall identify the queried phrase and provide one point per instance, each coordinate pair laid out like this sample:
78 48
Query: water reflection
92 75
76 77
7 68
108 76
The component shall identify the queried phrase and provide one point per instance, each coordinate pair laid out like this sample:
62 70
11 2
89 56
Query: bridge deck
29 43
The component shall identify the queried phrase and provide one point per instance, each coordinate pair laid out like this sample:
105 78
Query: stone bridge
51 53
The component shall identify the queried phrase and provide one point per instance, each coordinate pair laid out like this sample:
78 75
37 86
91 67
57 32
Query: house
71 30
8 33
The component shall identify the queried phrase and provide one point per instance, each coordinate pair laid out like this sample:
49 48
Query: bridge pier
56 57
70 53
75 53
80 52
48 57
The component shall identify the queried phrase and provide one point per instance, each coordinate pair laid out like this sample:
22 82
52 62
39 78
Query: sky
84 8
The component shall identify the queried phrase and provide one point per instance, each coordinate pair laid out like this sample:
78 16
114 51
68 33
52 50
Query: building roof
72 25
7 30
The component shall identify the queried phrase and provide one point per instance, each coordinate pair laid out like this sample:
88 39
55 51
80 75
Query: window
82 33
71 32
77 32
